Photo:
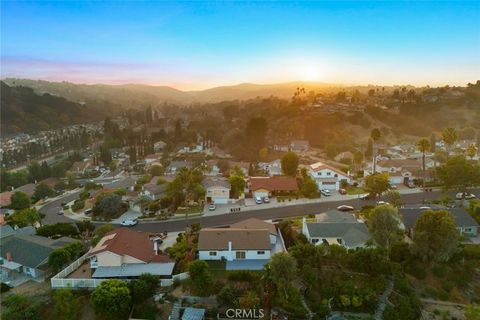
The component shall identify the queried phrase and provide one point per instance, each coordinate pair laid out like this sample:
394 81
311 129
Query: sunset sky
196 45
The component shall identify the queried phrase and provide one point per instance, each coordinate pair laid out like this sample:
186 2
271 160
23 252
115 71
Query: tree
156 170
101 231
471 151
449 136
433 141
283 268
435 236
375 135
377 183
17 307
143 202
20 201
394 198
458 173
65 304
112 299
237 184
423 146
42 191
290 164
256 132
58 258
201 276
369 151
309 187
25 217
357 160
472 312
144 287
108 205
384 225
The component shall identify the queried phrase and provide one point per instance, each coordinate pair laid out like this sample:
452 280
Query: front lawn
351 190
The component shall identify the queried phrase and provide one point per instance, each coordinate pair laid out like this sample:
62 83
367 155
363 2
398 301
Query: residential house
128 183
342 230
51 182
22 252
81 167
217 190
281 147
5 199
299 145
247 245
153 190
400 170
126 253
175 165
151 158
327 177
466 225
159 146
273 168
266 186
28 189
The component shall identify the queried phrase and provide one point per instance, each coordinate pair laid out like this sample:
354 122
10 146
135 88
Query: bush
243 275
440 271
416 270
5 287
78 205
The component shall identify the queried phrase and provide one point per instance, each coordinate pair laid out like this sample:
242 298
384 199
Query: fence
60 280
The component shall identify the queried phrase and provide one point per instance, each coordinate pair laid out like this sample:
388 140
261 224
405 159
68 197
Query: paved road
51 209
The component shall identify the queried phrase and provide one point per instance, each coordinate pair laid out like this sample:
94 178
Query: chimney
155 247
9 256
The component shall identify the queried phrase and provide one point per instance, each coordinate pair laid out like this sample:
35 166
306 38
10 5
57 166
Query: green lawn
355 190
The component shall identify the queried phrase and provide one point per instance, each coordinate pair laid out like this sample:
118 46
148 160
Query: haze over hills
137 95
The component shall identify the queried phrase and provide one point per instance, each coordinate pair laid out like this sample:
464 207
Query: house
327 177
159 146
80 167
247 245
466 225
22 252
153 190
400 170
299 145
273 168
266 186
128 183
51 182
349 234
175 165
151 158
126 253
28 189
5 199
281 147
217 190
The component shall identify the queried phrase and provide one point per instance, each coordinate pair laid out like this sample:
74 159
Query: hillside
23 110
137 95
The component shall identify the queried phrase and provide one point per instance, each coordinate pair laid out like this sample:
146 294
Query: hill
137 95
23 110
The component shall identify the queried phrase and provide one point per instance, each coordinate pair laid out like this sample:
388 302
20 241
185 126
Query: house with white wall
326 176
248 244
126 253
217 190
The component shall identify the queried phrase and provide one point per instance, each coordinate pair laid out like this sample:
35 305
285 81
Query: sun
309 72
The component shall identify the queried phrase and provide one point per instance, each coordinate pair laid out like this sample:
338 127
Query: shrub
5 287
416 270
78 205
243 275
440 271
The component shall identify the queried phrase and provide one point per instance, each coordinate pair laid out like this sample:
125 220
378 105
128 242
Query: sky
197 45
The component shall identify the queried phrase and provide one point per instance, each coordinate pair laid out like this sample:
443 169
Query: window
260 252
240 254
329 173
467 230
314 241
339 240
212 253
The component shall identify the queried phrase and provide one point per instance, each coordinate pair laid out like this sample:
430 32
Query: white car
460 196
129 222
326 193
266 200
345 208
379 203
212 207
258 200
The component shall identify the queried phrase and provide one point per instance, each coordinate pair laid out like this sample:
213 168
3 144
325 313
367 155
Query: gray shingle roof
462 217
353 234
336 216
29 250
214 182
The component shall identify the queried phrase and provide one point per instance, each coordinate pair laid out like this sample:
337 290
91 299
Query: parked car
366 197
266 200
258 200
342 191
325 193
88 211
345 208
212 207
129 222
379 203
468 196
60 212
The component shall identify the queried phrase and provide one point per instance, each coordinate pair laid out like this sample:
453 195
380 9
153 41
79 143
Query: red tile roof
275 183
5 198
132 243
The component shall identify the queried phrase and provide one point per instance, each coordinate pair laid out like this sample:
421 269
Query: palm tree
376 134
471 151
423 146
449 136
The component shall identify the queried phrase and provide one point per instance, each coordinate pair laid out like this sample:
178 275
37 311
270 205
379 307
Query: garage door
329 185
261 194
